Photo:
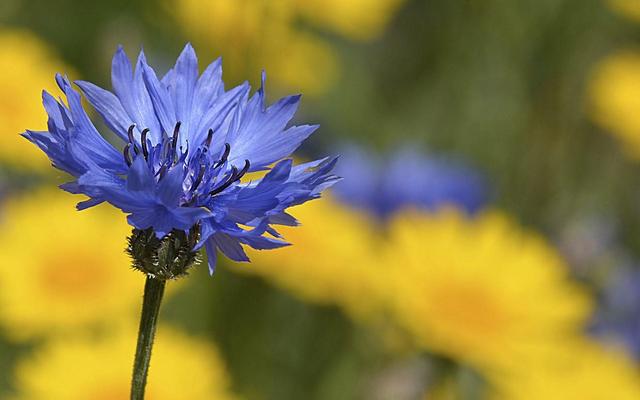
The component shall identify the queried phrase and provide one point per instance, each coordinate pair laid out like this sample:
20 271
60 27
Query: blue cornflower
187 144
407 178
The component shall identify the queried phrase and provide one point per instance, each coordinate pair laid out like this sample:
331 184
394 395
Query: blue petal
160 99
208 88
57 120
261 136
212 255
132 93
155 217
104 154
230 247
283 218
170 187
263 243
121 78
255 201
99 178
109 107
140 178
216 118
83 205
184 218
185 75
168 79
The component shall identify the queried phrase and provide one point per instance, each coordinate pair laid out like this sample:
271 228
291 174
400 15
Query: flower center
73 274
470 311
204 175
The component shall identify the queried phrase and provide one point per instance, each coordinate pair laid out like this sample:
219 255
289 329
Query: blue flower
618 314
187 144
407 179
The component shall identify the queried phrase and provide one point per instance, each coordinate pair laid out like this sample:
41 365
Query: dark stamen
143 139
127 156
176 132
207 142
162 172
198 178
225 155
130 133
235 177
227 183
132 139
244 170
166 150
183 155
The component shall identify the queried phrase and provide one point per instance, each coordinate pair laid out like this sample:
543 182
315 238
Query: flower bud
169 257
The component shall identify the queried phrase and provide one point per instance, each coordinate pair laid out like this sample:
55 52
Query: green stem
153 290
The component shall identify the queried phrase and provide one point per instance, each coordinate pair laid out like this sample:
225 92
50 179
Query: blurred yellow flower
331 260
614 91
581 370
481 291
349 18
629 8
62 268
256 34
27 66
74 368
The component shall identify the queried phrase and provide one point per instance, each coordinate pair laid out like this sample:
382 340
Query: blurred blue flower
407 179
618 314
187 144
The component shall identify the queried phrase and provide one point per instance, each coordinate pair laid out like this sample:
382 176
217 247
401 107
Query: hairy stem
153 291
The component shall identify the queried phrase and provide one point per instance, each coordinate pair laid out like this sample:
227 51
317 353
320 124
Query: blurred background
484 243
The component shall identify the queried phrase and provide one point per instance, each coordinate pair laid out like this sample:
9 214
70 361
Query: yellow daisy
27 66
614 92
256 34
99 368
62 268
481 291
578 371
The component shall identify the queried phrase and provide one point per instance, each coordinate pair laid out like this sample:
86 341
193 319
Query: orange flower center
74 274
470 311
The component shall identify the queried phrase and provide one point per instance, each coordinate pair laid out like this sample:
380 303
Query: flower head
408 179
187 144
